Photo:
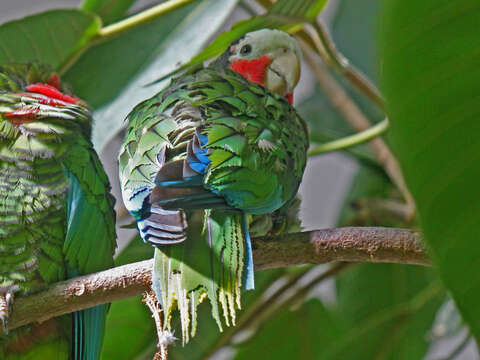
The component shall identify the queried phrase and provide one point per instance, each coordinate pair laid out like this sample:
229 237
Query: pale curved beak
283 73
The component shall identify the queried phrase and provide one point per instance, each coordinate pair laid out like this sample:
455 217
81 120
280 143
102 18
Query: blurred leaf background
346 311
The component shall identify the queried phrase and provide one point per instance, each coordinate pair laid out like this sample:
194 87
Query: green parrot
220 146
56 211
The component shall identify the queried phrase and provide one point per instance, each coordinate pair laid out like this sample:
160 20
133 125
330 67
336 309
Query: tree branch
351 244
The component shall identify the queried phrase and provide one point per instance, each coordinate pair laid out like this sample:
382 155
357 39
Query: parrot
56 211
219 148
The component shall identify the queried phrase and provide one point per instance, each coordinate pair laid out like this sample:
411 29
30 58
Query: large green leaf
52 37
388 310
113 75
302 334
430 77
108 10
106 68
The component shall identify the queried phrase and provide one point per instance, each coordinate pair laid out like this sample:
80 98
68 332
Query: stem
351 140
123 25
140 18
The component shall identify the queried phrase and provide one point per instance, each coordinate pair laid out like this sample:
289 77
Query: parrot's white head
268 57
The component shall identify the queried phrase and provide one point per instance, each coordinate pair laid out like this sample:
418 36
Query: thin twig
352 140
351 244
141 18
150 300
112 30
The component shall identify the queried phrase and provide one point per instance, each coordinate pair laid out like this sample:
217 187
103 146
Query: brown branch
361 244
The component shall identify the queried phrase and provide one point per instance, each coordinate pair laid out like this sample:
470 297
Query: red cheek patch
53 93
252 70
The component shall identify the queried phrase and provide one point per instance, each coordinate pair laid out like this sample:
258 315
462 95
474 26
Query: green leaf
119 69
430 78
130 330
305 9
112 64
388 310
136 250
302 334
356 40
52 37
108 10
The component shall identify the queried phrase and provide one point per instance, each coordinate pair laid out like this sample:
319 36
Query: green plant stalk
121 26
351 140
140 18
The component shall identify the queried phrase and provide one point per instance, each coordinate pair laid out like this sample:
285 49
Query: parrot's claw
6 301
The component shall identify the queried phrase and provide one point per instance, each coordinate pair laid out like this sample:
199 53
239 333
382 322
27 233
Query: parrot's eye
246 49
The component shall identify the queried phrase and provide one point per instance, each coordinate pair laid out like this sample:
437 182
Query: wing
248 149
90 238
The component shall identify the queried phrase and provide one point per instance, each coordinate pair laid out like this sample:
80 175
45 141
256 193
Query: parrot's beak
283 73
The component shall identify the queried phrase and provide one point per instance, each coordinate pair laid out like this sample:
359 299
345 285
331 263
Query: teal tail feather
88 332
249 280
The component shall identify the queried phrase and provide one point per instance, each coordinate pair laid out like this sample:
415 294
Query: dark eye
246 49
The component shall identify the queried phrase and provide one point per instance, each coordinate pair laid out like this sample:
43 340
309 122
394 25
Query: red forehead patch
252 70
53 93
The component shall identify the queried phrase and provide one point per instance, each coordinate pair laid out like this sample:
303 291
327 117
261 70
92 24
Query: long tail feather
249 271
210 263
88 331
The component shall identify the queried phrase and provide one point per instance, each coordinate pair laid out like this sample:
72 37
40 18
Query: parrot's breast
32 221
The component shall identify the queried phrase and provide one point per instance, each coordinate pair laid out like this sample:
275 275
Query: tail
88 329
212 262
